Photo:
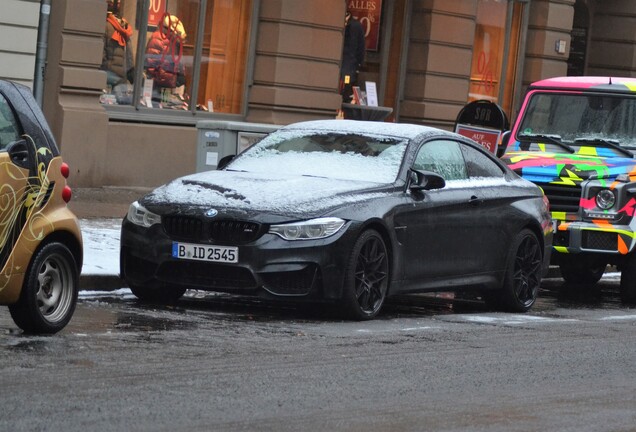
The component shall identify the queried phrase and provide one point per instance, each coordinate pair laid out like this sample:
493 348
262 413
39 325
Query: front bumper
596 237
267 267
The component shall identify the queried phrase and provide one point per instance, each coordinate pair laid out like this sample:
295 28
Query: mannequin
352 56
117 59
163 61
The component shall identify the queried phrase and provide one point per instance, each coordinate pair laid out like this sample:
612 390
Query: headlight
308 230
605 199
139 215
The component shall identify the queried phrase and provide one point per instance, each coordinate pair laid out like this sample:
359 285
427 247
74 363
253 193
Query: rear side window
9 129
442 157
480 165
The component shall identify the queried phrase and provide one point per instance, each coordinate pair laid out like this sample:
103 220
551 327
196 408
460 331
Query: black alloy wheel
366 277
523 275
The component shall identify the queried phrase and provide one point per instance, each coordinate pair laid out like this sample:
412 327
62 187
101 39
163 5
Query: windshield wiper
602 142
546 138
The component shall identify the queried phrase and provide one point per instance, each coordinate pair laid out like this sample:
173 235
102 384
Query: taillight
65 170
67 194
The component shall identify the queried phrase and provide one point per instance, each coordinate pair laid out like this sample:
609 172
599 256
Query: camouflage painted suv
575 137
40 239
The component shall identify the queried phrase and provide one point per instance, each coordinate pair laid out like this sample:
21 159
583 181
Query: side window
9 130
480 165
442 157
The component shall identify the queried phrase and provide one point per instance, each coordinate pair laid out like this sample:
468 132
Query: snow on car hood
543 167
272 192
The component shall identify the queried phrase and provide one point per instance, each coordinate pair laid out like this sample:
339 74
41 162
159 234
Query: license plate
197 252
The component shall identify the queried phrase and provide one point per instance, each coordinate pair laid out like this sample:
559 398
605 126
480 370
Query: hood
245 194
541 167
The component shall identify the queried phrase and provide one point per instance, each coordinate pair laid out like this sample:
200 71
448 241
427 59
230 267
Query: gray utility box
219 138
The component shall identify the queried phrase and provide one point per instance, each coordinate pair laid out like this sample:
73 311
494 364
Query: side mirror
225 160
425 180
503 144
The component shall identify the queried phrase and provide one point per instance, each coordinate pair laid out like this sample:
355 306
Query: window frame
465 148
139 113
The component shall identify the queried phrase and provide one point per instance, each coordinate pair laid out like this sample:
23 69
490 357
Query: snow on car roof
401 130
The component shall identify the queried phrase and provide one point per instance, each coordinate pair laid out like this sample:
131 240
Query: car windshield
346 155
600 120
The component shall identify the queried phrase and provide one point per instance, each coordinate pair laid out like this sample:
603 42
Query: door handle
475 201
19 153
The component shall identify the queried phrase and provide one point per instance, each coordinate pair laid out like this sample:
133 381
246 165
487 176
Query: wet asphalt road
215 362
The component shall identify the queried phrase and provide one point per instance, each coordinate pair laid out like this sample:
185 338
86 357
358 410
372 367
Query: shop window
181 66
488 49
494 66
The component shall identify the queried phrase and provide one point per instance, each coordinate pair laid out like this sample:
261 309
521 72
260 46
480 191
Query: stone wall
438 69
18 40
550 21
72 87
297 63
612 45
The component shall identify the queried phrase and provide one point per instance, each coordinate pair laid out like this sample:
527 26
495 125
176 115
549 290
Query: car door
457 234
15 169
492 214
439 235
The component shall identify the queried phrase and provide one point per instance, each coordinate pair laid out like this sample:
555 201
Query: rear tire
159 294
523 275
366 277
49 293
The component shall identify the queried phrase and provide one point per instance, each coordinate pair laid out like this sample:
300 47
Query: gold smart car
40 239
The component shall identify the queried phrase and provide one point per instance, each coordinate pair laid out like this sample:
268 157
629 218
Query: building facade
18 40
278 61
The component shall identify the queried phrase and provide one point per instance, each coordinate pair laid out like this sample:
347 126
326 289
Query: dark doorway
578 45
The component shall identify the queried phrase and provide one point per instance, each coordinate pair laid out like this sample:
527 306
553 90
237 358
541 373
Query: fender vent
48 193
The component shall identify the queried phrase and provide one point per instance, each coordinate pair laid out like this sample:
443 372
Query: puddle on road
129 322
116 314
33 345
555 293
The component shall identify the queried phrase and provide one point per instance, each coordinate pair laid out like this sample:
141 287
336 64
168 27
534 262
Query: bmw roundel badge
211 213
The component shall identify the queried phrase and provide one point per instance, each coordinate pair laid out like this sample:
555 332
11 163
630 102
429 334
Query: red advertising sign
156 9
488 138
368 12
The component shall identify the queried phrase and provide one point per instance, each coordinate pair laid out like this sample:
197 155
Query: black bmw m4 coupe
345 212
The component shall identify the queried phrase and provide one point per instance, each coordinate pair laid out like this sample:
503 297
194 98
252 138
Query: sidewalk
100 211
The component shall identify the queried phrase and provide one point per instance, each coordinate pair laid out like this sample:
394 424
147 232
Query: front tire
628 280
49 293
523 275
578 270
366 277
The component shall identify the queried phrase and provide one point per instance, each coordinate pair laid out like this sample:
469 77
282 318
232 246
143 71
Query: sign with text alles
368 12
488 138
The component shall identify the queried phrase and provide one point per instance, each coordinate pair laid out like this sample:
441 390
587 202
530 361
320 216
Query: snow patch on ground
101 246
